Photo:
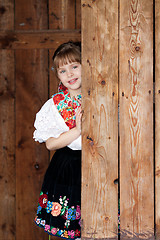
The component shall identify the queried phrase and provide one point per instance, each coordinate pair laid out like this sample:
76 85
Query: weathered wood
7 145
31 158
78 14
157 116
31 15
7 129
100 119
136 117
62 14
36 39
53 80
6 15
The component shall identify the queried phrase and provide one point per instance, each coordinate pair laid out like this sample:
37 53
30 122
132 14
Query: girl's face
70 75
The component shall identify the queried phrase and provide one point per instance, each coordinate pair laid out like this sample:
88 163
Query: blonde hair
66 53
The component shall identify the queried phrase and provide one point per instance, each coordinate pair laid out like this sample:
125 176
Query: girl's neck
74 93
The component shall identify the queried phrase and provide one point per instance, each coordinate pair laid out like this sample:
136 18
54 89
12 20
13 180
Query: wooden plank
31 158
31 14
157 116
7 145
78 14
54 82
6 15
100 119
7 129
136 119
36 39
62 14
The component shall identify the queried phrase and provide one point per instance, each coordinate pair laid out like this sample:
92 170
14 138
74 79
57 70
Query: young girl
58 124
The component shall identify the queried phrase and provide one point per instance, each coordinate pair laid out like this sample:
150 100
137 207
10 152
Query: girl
58 124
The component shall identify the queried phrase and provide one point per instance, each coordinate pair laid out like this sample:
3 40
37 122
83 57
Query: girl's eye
62 71
74 67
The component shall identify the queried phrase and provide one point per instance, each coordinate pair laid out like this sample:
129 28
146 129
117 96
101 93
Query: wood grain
36 39
62 14
100 119
31 14
31 158
136 117
78 14
7 145
6 15
7 129
157 116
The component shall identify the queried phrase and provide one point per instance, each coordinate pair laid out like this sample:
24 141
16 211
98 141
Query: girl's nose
69 73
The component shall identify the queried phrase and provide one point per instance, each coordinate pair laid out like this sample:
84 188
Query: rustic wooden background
30 32
121 65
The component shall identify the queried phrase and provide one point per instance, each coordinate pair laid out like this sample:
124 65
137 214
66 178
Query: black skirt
59 206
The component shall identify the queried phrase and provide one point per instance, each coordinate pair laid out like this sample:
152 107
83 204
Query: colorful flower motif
54 231
65 234
78 212
71 214
71 123
66 114
57 98
67 223
66 106
39 209
49 206
71 233
77 233
43 222
43 199
56 209
38 220
47 227
60 232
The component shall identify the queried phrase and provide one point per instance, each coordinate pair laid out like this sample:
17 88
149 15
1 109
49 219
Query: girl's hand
79 119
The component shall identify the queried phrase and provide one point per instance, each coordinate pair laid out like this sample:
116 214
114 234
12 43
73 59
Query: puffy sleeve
48 123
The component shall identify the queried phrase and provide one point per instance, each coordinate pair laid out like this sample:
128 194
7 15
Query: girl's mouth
72 81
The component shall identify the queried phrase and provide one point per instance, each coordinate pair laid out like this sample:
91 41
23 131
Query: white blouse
49 123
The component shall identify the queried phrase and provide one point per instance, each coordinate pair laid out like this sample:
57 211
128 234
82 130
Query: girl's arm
68 137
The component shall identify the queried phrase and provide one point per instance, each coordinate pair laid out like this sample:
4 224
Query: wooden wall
120 50
121 66
29 33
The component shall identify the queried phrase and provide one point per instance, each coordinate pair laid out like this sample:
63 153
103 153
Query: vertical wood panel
62 14
7 145
31 14
7 129
100 119
136 117
157 115
6 15
78 14
31 158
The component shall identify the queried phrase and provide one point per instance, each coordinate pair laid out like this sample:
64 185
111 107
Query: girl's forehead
62 65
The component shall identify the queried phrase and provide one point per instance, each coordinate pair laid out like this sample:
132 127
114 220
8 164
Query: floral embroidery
56 209
54 231
43 222
78 212
71 233
59 209
43 200
67 106
39 209
47 227
49 206
58 97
